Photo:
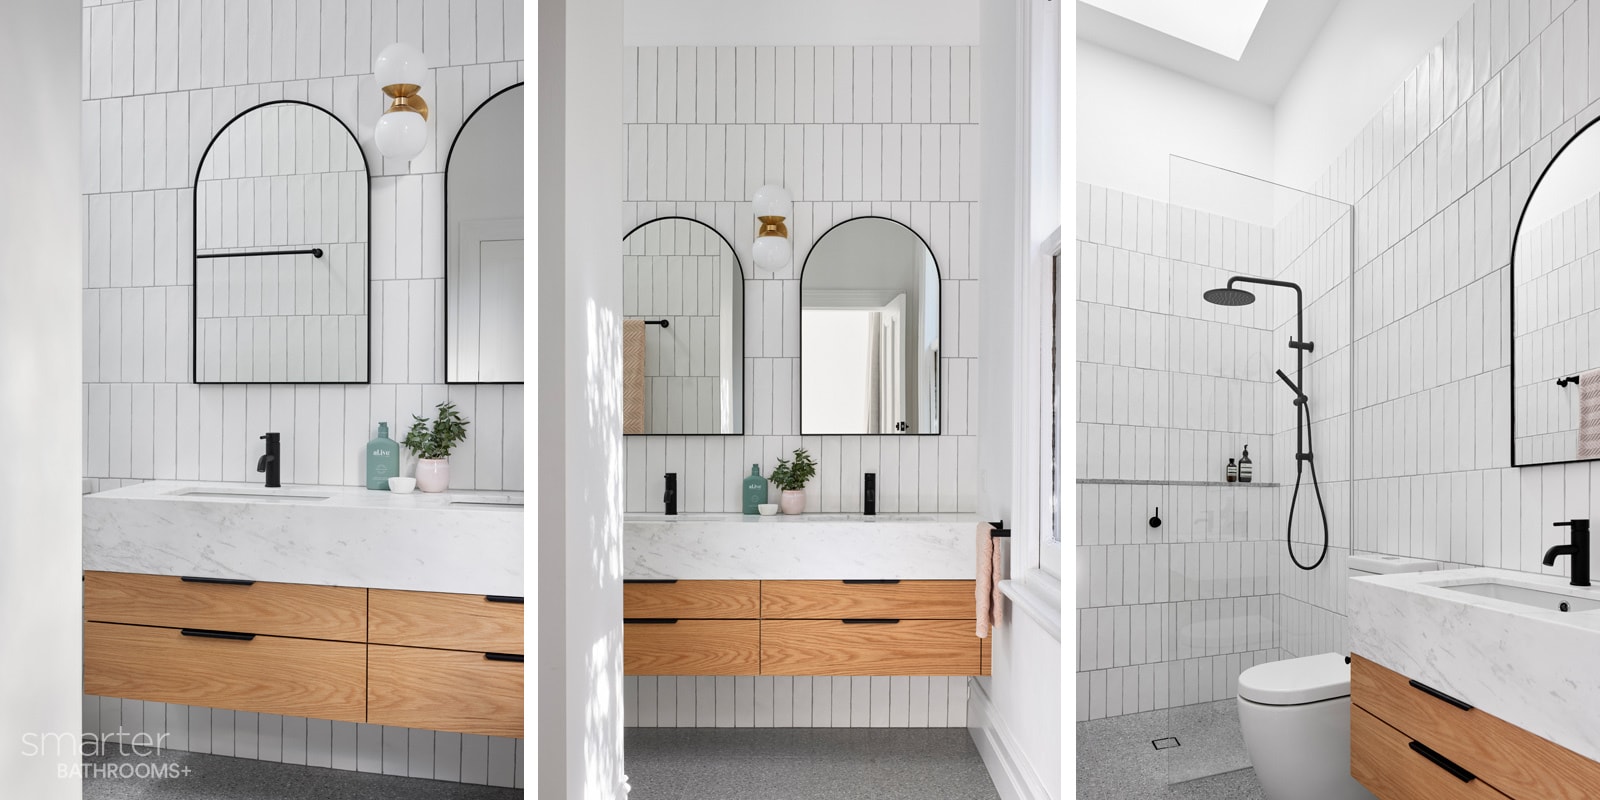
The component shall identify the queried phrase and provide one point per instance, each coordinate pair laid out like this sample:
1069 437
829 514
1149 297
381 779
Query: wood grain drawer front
836 647
985 656
692 599
444 690
1383 760
468 622
853 600
267 674
274 609
1509 758
692 647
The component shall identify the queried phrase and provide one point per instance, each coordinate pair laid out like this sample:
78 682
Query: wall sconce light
402 131
771 247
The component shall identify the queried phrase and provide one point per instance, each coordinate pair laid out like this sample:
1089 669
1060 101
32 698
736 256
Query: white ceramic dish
400 485
767 509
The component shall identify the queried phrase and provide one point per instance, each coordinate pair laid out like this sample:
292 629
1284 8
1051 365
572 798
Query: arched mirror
1555 309
281 230
869 331
682 331
483 245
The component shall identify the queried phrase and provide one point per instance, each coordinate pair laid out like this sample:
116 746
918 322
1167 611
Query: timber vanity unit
818 594
1474 683
327 602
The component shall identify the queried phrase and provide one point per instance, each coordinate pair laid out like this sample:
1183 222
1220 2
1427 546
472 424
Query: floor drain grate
1166 743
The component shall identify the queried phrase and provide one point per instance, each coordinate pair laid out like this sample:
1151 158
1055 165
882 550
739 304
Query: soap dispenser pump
383 459
755 490
1245 468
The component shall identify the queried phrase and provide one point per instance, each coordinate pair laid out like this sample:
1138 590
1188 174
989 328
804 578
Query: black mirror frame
194 254
938 365
744 415
1511 306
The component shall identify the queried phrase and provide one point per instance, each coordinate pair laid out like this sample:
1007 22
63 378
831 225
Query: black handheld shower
1230 296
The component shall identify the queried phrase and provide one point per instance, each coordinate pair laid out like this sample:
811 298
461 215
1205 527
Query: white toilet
1295 714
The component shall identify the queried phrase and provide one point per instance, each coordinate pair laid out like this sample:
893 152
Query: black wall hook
1562 382
1155 521
1000 531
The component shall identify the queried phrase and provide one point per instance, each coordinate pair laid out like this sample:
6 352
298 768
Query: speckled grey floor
804 764
1116 759
225 778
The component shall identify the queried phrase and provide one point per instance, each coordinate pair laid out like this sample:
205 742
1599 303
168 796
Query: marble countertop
800 547
326 535
1527 666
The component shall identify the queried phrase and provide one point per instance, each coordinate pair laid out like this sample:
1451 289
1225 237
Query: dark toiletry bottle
869 495
670 498
1233 471
1245 468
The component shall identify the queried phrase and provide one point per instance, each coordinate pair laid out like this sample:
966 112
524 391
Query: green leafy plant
792 475
448 430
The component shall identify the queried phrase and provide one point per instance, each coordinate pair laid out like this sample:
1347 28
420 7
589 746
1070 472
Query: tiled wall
1438 178
160 78
801 701
386 749
1557 328
849 131
1170 388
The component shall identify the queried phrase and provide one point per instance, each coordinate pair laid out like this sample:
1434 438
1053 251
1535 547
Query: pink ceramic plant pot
433 474
793 501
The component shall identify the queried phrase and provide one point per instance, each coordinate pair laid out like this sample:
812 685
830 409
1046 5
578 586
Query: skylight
1221 26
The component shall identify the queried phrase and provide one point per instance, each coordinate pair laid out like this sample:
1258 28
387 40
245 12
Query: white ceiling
1284 36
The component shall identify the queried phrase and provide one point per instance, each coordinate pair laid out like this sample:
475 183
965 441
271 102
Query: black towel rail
1000 531
662 322
1562 382
315 252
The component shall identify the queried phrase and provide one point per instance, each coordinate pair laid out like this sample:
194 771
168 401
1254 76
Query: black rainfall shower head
1229 297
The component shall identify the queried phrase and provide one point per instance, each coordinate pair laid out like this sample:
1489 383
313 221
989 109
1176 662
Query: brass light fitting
772 226
405 98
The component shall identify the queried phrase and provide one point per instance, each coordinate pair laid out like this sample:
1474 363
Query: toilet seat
1296 681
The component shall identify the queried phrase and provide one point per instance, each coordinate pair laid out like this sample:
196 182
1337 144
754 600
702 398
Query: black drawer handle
502 598
870 621
651 580
242 637
1429 690
1443 763
649 621
503 657
870 581
227 581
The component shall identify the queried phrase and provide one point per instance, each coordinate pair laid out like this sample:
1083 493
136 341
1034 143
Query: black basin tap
670 498
269 462
1578 548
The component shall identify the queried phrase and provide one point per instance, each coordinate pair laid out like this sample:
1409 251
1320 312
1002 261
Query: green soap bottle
755 490
383 459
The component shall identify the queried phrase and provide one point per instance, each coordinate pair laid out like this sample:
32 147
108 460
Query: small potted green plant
433 444
791 477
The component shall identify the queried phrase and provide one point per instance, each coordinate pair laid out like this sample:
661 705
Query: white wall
1132 116
579 346
1366 47
783 22
162 76
41 239
849 131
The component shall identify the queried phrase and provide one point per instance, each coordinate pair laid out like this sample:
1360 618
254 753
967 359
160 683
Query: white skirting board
359 747
1014 778
801 701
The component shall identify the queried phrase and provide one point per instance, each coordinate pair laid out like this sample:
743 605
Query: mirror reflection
1555 325
280 232
483 245
683 330
869 331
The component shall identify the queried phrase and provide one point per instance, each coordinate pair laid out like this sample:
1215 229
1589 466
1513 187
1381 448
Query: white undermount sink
259 495
487 500
1526 595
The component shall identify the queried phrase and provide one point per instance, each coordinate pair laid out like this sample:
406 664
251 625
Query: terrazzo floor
804 764
225 778
1117 760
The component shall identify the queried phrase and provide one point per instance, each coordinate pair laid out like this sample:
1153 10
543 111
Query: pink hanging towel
989 577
